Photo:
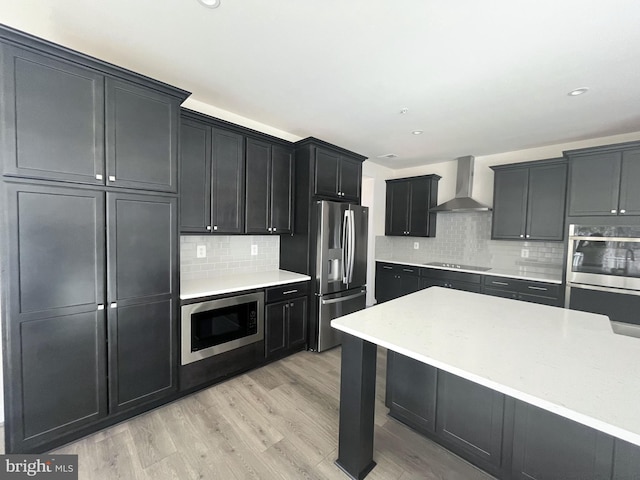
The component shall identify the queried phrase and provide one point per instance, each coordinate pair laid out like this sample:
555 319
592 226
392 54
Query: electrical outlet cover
201 251
416 245
254 249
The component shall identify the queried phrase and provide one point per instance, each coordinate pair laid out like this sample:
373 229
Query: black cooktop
457 266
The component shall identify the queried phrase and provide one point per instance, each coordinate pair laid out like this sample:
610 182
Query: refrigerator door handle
345 251
352 244
342 299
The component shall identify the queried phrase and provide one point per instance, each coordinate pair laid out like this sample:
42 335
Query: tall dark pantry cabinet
89 242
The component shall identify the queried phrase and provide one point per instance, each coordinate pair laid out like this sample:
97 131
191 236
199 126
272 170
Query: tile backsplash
228 254
466 238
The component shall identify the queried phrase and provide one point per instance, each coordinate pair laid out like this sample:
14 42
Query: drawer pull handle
537 288
410 270
288 292
500 283
387 268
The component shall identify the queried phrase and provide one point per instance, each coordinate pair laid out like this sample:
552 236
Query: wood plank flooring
276 422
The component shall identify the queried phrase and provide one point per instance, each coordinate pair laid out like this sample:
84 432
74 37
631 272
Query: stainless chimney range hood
464 184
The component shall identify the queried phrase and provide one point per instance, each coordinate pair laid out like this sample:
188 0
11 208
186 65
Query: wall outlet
201 251
416 245
524 253
254 249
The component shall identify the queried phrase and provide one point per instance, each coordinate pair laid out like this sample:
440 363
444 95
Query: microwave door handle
345 222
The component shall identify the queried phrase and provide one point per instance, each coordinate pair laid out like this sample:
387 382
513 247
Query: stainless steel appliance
341 268
218 326
603 271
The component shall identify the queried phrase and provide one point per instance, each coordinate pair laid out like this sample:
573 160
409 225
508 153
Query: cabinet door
626 461
547 446
594 184
281 189
297 323
142 137
545 210
326 173
54 330
397 206
227 189
629 181
142 278
350 178
509 203
409 280
55 113
418 221
470 419
275 328
258 187
195 177
385 283
412 393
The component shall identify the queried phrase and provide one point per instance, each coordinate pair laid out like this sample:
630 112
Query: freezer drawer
334 306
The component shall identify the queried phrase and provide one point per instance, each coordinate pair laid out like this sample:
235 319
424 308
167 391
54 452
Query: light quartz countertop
538 274
238 282
564 361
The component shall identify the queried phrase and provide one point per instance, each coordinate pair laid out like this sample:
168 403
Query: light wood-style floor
276 422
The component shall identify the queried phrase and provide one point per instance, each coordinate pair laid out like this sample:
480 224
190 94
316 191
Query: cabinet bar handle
288 292
98 176
112 178
499 283
538 288
100 307
387 268
410 270
113 305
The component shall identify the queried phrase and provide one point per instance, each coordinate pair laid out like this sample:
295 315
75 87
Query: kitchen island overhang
567 362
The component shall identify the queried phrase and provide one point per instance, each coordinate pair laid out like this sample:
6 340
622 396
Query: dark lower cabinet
91 319
411 391
432 277
626 461
393 281
285 327
470 420
525 290
549 447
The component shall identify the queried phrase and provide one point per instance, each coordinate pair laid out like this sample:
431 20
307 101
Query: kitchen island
565 362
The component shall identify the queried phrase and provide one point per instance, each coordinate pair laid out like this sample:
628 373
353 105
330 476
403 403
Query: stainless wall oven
603 271
218 326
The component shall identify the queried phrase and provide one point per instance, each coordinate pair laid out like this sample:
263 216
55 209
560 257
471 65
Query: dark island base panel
357 407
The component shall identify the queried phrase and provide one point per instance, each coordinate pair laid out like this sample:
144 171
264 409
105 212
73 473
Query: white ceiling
477 77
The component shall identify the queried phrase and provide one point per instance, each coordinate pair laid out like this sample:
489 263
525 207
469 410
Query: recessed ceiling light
418 132
577 91
403 110
210 3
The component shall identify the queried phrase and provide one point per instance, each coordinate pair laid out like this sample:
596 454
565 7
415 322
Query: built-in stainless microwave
218 326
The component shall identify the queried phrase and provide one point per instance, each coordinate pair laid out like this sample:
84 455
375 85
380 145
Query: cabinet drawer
541 289
450 275
397 268
284 292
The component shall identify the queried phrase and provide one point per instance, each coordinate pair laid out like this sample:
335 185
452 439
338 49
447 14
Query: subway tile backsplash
466 238
228 254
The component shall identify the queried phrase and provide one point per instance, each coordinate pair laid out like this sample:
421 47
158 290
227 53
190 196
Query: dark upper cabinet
195 177
337 175
547 446
73 123
269 188
227 186
603 180
529 200
100 311
141 137
408 206
212 177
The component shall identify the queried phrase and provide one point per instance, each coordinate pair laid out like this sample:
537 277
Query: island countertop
564 361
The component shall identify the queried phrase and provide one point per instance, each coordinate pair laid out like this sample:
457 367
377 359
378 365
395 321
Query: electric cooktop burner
458 266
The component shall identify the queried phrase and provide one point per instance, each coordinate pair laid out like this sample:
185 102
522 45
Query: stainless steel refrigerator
341 267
